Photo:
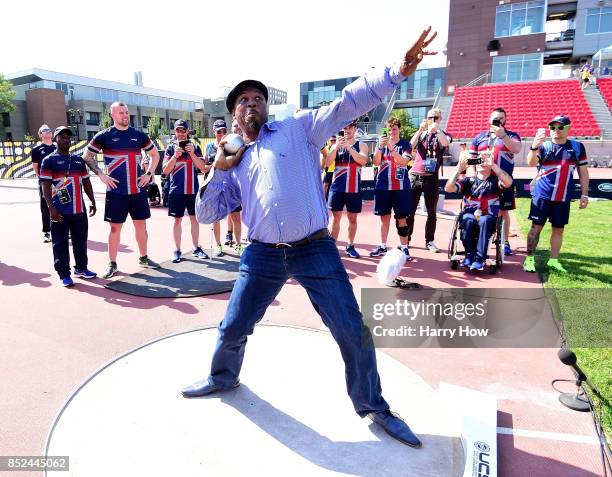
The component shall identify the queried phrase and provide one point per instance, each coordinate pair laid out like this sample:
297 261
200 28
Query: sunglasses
558 128
435 118
220 131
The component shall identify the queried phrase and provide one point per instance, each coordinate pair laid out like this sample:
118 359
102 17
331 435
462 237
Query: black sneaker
46 237
378 251
146 262
229 239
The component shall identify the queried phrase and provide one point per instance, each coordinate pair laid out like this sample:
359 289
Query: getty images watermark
464 318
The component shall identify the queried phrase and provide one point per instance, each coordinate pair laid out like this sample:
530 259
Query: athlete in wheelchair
479 221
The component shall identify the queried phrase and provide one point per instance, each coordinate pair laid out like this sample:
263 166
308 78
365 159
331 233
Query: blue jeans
475 234
318 268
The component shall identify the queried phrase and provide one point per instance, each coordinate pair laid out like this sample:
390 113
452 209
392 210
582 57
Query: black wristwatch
148 173
533 148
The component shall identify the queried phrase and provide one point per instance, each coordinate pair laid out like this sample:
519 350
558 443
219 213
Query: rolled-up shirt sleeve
357 98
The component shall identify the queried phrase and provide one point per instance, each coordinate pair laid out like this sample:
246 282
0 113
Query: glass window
516 68
519 19
599 20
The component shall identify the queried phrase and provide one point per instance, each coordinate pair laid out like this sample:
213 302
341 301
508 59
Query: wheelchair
456 251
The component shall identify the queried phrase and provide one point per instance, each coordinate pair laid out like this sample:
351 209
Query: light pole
76 117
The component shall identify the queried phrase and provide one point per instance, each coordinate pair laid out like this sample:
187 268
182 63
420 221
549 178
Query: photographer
64 177
234 220
480 206
552 191
392 189
182 160
429 142
503 145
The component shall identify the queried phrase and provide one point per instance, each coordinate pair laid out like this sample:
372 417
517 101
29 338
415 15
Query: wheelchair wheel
500 240
453 243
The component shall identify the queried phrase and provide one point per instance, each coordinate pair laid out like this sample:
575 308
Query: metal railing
482 79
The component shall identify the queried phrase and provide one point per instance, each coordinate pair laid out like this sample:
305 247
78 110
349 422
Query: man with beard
278 175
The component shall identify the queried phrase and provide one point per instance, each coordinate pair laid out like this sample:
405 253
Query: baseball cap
230 101
181 123
352 123
219 124
59 130
44 127
563 120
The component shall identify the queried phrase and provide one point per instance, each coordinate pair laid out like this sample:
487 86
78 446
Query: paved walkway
54 338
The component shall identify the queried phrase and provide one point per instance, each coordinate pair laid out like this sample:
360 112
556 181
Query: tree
164 131
197 126
106 121
7 93
154 125
407 129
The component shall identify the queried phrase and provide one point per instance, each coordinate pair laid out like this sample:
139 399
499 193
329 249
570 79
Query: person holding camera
39 152
481 194
234 220
349 155
182 160
551 190
503 145
429 142
392 190
126 182
64 177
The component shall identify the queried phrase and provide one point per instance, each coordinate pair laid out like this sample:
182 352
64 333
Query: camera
496 122
340 133
183 144
474 161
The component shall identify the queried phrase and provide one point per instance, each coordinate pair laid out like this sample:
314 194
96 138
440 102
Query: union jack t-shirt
387 178
122 156
501 154
65 172
184 176
555 179
347 173
480 194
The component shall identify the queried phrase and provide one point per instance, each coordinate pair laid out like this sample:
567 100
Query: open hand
108 181
415 54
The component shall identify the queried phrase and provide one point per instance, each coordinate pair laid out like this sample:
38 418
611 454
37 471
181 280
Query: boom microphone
568 358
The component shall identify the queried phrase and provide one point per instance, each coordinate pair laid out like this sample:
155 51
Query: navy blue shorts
338 200
398 200
177 203
557 213
237 209
507 200
327 178
118 206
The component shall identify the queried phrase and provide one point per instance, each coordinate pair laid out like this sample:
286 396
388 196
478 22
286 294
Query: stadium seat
529 106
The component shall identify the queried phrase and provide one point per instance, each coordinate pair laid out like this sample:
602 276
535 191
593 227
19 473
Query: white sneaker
432 247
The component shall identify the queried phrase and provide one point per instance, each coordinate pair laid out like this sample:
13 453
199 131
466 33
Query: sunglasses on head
558 128
435 118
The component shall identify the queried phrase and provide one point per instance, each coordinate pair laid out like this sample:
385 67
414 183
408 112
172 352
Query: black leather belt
298 243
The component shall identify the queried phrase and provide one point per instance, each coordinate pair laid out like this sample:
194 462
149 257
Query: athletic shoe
477 265
66 282
219 251
177 256
467 261
432 247
556 265
199 253
529 264
507 249
378 251
85 273
351 252
239 249
110 270
229 239
407 253
46 237
146 262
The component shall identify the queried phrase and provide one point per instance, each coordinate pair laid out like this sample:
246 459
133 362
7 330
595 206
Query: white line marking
555 436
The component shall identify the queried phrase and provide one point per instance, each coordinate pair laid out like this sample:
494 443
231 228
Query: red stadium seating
529 106
605 87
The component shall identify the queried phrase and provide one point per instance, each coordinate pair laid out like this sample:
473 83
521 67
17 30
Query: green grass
583 293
